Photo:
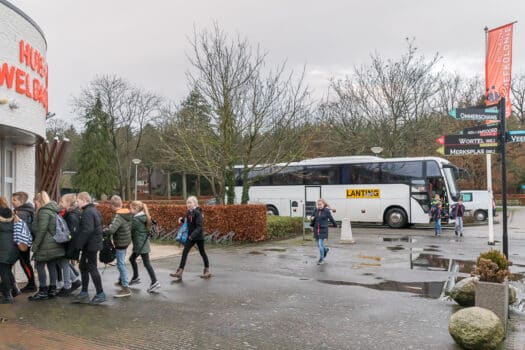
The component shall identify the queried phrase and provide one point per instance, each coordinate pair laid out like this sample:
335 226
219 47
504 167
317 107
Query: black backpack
108 252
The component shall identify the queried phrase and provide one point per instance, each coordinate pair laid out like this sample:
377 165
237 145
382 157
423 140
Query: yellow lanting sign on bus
362 193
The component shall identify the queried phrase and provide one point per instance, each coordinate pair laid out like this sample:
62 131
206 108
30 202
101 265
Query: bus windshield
451 180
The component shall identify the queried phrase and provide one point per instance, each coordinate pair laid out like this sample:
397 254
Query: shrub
248 222
492 266
284 227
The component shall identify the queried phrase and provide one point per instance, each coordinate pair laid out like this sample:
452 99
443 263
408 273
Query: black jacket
90 230
321 218
8 248
72 218
195 222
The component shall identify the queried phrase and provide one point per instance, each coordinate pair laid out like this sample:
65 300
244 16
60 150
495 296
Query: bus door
419 201
311 195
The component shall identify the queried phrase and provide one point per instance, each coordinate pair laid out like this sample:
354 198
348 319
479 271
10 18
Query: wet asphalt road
381 293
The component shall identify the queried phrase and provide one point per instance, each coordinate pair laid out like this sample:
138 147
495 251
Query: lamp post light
136 162
376 150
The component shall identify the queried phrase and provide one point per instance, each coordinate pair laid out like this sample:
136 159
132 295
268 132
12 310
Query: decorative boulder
464 292
476 328
513 294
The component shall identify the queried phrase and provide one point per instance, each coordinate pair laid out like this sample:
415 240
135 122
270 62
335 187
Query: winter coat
90 230
44 228
458 210
195 221
320 221
72 218
120 229
8 248
140 234
26 212
436 212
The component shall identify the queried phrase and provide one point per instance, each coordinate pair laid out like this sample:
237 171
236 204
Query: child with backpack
140 228
457 212
436 211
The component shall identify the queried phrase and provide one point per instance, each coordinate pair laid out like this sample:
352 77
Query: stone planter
494 297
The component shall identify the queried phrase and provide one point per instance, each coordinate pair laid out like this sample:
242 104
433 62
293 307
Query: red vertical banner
498 66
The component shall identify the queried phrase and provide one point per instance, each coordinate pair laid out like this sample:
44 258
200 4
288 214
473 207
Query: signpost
516 136
480 113
481 129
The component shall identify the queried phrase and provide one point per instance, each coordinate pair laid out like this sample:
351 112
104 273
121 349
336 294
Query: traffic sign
480 140
466 150
475 113
516 136
481 129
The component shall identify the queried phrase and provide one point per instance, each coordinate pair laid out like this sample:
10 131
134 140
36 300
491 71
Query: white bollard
346 231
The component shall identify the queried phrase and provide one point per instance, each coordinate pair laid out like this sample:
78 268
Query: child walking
436 212
140 228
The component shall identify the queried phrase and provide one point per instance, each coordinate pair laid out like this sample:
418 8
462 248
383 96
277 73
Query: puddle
396 248
274 249
431 250
255 252
367 274
423 289
398 239
433 246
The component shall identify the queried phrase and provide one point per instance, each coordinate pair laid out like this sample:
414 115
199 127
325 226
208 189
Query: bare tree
129 109
518 97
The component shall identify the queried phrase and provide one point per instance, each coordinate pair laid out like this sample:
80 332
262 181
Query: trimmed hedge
284 227
248 222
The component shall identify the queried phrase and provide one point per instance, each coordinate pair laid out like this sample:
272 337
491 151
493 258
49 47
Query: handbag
182 233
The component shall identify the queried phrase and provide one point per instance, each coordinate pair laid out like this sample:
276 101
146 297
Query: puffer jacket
195 221
120 229
90 230
140 234
8 248
320 220
72 218
44 228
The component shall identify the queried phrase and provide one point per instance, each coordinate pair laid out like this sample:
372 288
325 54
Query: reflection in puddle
398 239
424 289
396 248
431 250
437 262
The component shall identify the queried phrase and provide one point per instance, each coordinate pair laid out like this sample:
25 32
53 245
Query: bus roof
354 159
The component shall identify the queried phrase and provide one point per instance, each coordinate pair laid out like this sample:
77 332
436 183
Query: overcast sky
146 42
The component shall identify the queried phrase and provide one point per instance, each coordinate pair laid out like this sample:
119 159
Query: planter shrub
280 227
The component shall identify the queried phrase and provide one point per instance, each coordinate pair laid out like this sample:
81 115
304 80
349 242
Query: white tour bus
393 191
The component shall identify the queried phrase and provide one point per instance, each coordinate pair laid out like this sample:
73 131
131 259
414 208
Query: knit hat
6 213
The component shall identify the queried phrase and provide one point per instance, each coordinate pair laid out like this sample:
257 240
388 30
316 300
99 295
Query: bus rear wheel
396 218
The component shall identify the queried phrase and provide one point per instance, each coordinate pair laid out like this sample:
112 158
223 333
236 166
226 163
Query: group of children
457 211
31 228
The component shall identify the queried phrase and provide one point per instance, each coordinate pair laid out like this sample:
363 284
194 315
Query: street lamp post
136 162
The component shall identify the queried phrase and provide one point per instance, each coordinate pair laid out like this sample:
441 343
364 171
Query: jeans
187 247
68 274
88 267
42 275
459 225
437 226
147 265
121 266
322 248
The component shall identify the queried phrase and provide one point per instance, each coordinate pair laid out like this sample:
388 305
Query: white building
23 98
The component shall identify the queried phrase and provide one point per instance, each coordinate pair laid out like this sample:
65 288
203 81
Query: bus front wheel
396 218
271 210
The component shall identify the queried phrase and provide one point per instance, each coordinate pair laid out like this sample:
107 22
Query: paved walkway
384 292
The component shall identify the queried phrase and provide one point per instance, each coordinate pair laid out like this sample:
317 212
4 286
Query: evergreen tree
97 172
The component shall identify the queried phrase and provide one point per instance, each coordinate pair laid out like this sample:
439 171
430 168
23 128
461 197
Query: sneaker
326 252
118 283
134 281
29 288
98 299
123 292
82 298
461 235
320 262
75 285
456 233
154 287
64 292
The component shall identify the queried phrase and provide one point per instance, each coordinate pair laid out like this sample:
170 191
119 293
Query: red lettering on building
6 75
